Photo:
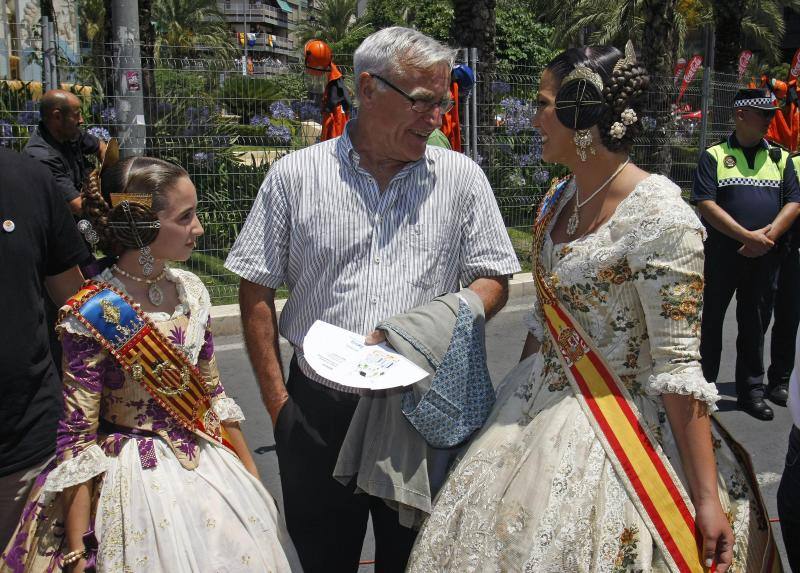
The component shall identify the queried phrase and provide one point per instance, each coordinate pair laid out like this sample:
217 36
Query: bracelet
73 557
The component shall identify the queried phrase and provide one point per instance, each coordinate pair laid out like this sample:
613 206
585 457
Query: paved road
766 441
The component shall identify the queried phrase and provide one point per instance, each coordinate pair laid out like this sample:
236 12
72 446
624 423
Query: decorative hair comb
628 58
581 72
140 198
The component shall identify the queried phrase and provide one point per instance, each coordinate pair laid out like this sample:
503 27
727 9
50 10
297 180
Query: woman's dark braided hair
622 89
139 176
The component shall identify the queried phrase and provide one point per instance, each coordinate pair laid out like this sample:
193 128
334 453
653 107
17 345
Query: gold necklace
575 219
154 292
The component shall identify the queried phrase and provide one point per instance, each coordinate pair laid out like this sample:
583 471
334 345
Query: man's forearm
718 218
493 291
784 220
260 326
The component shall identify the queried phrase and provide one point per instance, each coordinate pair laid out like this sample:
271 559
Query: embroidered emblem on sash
571 345
174 380
729 161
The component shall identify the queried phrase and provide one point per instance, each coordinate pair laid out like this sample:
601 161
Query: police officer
787 313
748 196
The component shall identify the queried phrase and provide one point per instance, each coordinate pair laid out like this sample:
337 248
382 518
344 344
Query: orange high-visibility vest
335 105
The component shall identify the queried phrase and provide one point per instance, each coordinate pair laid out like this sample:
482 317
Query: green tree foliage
335 20
522 41
184 25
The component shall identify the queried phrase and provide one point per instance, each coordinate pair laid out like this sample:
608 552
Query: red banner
677 71
744 61
794 71
691 71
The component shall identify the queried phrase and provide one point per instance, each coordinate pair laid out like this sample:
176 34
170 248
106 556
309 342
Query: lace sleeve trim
228 410
194 295
688 383
90 462
72 325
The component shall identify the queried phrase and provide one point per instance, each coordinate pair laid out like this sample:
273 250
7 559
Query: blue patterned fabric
461 393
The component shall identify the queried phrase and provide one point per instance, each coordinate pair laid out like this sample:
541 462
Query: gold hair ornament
628 59
144 199
581 72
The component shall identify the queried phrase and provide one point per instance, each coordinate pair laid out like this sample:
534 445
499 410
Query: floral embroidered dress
165 499
535 491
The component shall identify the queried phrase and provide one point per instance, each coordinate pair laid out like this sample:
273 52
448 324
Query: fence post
467 115
128 77
708 36
49 62
474 104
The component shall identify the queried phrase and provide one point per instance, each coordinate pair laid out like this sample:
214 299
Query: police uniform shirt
746 183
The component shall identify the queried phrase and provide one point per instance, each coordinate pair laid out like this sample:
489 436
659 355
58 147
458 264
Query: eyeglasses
420 105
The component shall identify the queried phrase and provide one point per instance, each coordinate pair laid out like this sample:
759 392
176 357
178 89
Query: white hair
389 52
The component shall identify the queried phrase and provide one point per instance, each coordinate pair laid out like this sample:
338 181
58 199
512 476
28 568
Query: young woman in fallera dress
544 486
152 472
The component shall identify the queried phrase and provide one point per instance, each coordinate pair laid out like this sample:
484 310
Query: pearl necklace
575 219
154 292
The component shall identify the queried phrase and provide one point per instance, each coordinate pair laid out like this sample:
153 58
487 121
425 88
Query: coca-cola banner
691 71
680 65
744 61
794 71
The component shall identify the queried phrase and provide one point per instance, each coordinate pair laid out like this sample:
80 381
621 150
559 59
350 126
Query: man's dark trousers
789 501
787 318
326 520
753 281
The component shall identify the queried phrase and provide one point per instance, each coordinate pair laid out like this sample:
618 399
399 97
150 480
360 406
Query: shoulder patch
729 161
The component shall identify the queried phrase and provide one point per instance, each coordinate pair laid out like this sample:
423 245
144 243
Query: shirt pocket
422 252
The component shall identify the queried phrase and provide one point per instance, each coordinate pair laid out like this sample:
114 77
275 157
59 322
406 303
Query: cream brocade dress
535 491
166 500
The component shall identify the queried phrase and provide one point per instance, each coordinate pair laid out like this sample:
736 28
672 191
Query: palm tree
334 20
474 27
184 25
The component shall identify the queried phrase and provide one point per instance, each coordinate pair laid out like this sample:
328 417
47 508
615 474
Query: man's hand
375 337
275 405
756 243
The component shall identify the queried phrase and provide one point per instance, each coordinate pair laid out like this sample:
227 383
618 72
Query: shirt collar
733 141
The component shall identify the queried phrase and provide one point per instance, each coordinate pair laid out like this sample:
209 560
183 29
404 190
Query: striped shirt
352 255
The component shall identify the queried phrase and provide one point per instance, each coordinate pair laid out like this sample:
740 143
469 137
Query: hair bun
579 104
124 230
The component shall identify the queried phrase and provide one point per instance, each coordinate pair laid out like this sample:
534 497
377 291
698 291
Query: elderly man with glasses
360 228
747 193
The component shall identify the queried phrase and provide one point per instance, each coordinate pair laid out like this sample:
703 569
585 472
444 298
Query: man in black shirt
60 144
39 245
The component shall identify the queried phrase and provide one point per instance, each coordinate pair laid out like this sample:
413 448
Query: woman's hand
78 567
716 533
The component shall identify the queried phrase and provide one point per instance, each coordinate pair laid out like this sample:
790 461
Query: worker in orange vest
336 104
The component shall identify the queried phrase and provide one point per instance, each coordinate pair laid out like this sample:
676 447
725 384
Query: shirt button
377 260
374 300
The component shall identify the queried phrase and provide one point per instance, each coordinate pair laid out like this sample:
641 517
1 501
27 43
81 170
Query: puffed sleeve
225 407
669 281
78 455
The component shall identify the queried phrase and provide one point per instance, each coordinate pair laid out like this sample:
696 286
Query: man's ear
367 86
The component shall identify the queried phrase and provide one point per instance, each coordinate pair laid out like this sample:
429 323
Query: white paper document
342 357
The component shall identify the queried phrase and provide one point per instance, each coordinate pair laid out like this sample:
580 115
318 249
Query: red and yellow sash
649 478
149 357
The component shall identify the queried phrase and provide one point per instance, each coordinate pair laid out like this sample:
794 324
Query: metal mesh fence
227 129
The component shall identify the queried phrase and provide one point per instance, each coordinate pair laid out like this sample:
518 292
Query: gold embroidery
160 370
571 345
112 315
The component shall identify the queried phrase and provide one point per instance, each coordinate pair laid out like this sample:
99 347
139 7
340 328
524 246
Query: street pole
128 77
49 64
706 93
246 4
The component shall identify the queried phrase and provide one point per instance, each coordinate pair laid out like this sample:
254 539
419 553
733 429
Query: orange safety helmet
318 57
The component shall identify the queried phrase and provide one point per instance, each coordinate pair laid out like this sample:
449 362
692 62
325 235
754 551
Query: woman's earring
146 259
583 141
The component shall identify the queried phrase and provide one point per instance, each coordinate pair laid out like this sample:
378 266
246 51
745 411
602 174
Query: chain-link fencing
226 128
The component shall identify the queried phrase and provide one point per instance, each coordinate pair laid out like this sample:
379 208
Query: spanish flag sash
149 358
648 476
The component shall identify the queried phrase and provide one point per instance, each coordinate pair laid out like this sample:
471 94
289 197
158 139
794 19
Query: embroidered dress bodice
105 407
621 283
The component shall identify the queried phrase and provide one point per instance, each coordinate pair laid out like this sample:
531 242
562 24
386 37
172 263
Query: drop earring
583 142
